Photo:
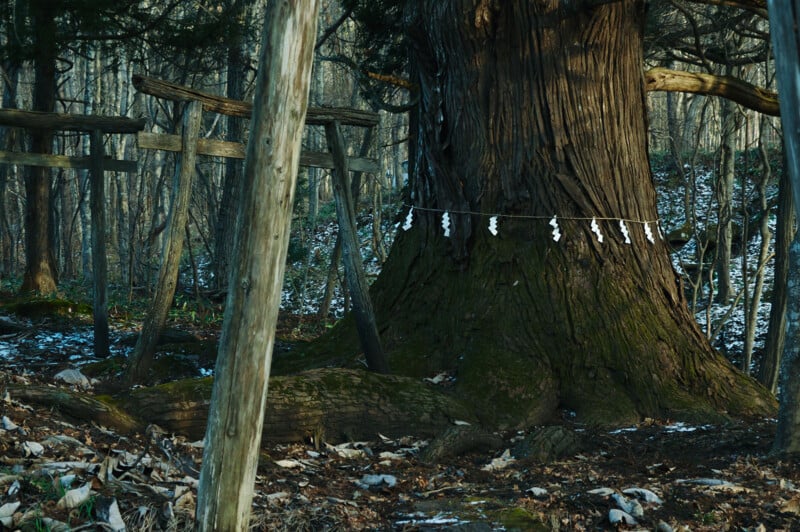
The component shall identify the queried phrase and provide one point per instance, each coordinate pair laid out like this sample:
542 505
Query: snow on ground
729 321
304 285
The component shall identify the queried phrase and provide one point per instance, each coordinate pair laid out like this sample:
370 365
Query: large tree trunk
530 109
784 19
40 265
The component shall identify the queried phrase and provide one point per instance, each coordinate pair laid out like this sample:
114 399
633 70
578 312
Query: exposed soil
706 477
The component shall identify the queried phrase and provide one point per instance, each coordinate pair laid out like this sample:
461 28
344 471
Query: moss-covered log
77 405
331 404
337 404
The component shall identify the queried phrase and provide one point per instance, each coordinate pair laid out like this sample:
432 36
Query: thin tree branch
758 7
332 29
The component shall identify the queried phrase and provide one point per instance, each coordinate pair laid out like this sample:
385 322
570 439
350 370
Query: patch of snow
624 429
438 519
683 427
368 481
671 191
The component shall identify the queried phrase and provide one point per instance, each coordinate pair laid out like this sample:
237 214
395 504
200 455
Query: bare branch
332 29
758 7
741 92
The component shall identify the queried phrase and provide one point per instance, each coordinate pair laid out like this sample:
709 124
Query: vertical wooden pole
239 396
359 290
144 352
99 260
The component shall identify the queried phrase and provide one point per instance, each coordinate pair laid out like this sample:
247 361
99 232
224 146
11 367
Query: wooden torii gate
189 145
96 163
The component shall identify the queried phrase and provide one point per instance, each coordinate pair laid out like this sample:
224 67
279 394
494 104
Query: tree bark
7 142
534 110
784 20
726 171
143 353
330 280
41 272
753 303
77 405
232 177
230 458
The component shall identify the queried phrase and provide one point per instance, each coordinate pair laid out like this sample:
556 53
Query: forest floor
58 473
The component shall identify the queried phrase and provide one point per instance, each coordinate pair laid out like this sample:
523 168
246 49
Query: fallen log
77 405
329 404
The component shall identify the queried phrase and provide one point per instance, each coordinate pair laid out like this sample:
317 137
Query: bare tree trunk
675 129
7 142
330 281
378 247
784 23
776 331
235 421
751 307
724 194
232 176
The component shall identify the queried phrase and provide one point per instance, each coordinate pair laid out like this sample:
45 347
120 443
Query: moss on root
526 331
38 308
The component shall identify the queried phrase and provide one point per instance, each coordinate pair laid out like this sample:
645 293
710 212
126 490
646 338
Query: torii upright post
99 261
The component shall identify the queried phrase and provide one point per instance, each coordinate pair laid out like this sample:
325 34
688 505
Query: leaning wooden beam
60 121
223 148
62 161
316 116
143 353
366 324
741 92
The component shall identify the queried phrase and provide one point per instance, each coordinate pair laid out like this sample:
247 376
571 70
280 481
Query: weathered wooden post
239 397
99 260
144 351
354 270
